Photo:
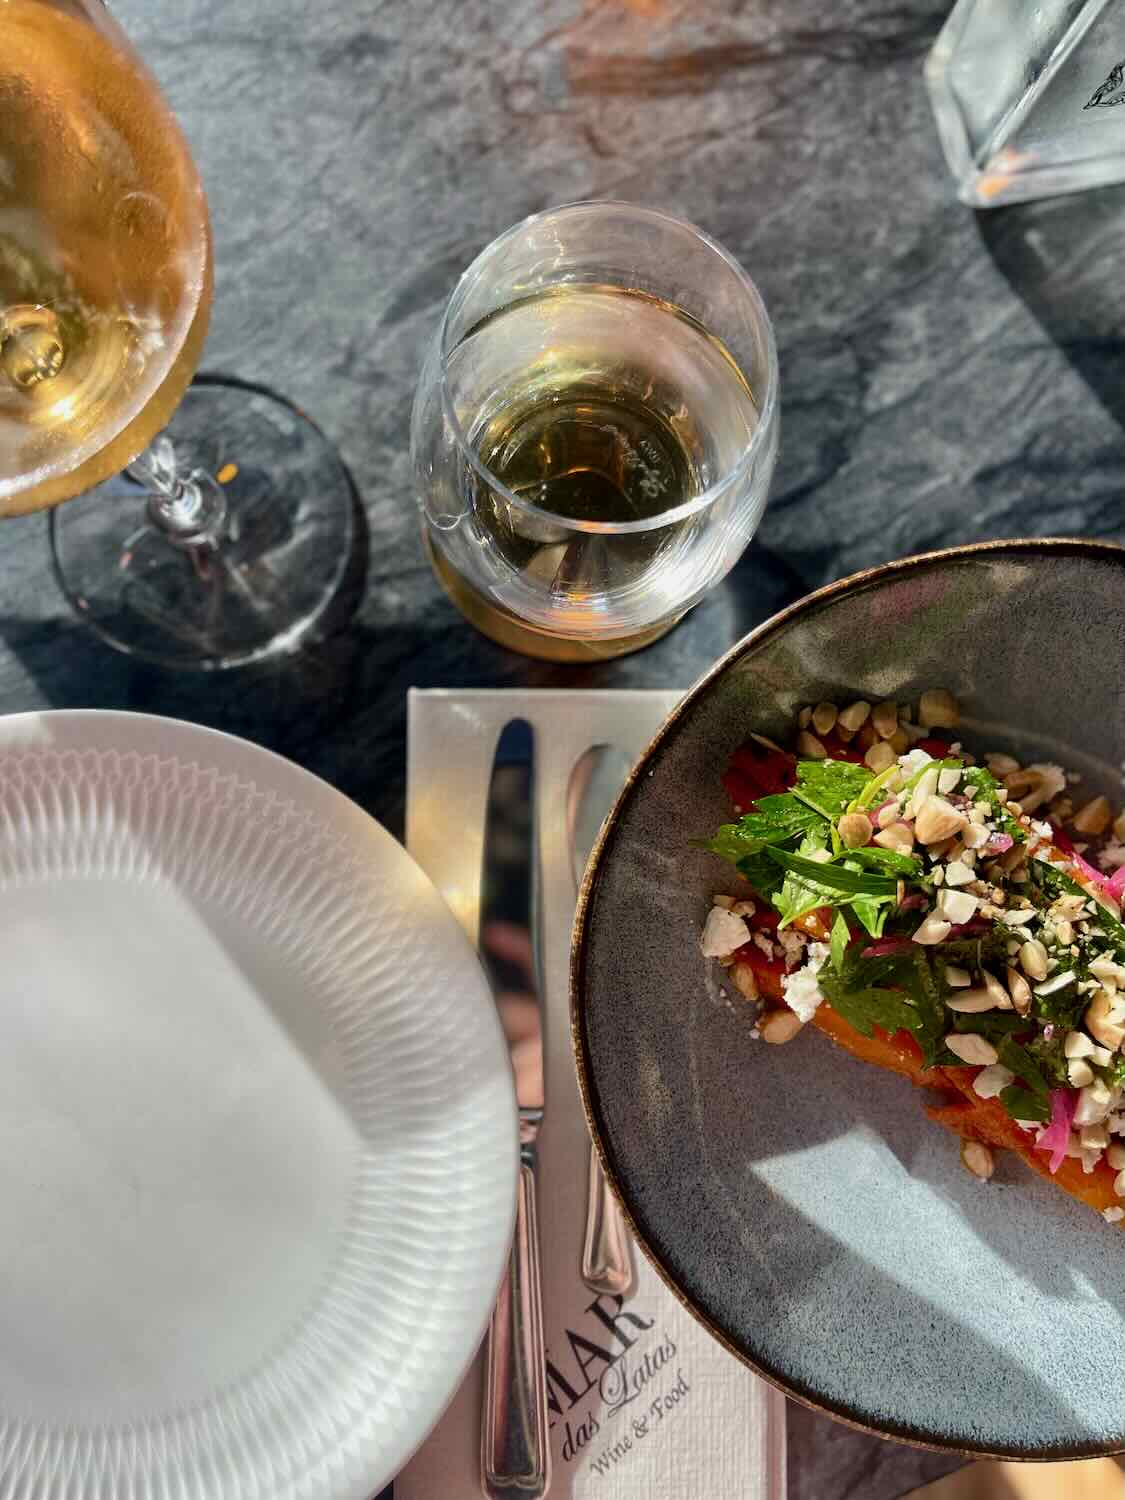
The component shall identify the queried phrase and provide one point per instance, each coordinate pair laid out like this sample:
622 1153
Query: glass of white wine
227 535
595 429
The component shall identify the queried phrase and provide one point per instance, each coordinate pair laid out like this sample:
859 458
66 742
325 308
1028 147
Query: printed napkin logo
1112 91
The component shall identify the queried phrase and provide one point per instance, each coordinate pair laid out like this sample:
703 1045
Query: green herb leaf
839 941
832 878
829 785
1024 1105
873 912
1024 1066
1054 882
866 1009
992 1024
924 991
887 859
762 873
798 895
1050 1059
785 819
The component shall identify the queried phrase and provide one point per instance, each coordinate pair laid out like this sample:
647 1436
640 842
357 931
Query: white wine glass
595 429
209 524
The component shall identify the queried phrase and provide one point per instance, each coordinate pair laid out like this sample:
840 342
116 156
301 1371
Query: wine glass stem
187 509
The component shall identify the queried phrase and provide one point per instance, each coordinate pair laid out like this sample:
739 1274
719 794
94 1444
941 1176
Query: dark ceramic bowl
797 1201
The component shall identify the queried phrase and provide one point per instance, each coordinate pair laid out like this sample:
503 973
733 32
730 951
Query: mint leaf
1023 1105
873 912
798 895
764 876
839 941
775 820
992 1024
829 785
1024 1066
866 1009
924 992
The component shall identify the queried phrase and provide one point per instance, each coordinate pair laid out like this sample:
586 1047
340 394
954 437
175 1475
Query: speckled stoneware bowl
799 1202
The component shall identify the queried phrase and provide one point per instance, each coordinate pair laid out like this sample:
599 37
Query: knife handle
515 1456
607 1263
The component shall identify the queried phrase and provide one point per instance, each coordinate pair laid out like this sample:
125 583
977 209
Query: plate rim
1102 549
320 793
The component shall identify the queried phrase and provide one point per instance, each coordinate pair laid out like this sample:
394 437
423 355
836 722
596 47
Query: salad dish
952 919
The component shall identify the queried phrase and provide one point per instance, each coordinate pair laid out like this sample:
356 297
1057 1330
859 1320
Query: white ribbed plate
257 1133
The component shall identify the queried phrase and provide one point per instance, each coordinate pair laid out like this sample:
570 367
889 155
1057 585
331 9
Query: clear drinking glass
595 429
1029 97
227 536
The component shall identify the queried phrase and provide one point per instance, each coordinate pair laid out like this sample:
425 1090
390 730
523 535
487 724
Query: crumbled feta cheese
956 977
956 906
947 781
1056 982
957 873
802 991
1054 779
992 1080
932 929
723 932
975 836
913 761
1095 1101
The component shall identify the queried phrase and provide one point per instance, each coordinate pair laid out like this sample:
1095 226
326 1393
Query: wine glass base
508 630
279 560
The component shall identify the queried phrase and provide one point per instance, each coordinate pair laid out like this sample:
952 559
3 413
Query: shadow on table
1062 257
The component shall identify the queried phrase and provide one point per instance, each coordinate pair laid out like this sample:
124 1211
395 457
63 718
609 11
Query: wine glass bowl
595 429
228 540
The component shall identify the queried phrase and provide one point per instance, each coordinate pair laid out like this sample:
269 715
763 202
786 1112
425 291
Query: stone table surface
945 375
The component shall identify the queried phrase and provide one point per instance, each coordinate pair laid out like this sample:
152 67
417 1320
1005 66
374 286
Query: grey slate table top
945 376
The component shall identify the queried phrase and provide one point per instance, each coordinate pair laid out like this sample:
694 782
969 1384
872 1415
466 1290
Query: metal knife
597 777
515 1450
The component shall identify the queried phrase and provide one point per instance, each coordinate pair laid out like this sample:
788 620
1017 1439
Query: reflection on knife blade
507 910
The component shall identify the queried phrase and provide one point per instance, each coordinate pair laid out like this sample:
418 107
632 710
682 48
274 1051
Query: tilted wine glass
223 538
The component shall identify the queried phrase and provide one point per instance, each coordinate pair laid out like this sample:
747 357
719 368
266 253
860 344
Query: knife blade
515 1451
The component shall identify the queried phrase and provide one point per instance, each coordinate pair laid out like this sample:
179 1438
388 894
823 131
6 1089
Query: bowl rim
1060 546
